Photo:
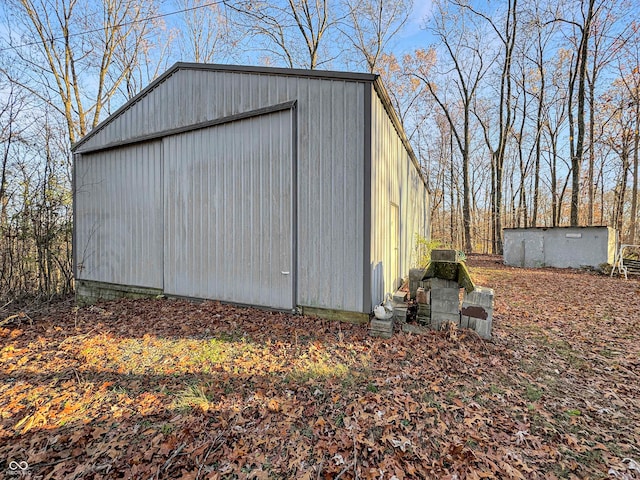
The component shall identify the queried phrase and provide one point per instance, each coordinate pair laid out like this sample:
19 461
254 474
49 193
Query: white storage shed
561 247
288 189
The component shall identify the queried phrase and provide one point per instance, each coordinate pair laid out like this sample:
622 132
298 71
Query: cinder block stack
477 311
381 328
400 306
423 316
445 302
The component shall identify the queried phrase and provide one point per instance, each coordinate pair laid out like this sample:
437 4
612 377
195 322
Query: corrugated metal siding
118 224
331 159
394 180
228 212
330 141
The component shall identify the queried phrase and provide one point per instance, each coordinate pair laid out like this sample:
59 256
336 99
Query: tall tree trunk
466 201
620 192
494 240
522 198
634 193
505 113
554 184
592 151
452 208
576 159
536 173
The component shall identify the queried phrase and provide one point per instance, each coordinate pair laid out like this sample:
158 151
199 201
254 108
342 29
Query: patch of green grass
213 351
375 433
608 353
430 400
306 431
496 390
321 371
564 350
615 448
318 364
540 425
166 429
194 396
144 424
587 460
532 393
228 337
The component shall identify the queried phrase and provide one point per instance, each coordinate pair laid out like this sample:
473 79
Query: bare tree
462 70
410 99
70 59
10 132
143 55
206 34
69 65
373 24
9 135
609 36
619 136
536 41
295 31
622 133
631 81
506 34
578 73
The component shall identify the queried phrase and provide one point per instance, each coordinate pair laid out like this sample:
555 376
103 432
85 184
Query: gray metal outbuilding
264 186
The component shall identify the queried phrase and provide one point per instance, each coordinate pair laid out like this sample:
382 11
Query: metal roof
296 72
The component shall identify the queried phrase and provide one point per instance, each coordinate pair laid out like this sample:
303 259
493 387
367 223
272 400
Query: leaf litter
171 389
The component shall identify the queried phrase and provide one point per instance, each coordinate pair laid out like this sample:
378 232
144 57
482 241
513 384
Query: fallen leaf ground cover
171 389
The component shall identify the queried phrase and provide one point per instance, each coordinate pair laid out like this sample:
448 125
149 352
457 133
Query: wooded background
522 113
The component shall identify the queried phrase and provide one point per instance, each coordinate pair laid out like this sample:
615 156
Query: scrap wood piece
13 317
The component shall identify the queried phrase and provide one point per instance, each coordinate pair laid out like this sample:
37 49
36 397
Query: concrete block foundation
88 292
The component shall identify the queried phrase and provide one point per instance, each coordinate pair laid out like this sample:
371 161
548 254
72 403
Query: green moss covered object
456 272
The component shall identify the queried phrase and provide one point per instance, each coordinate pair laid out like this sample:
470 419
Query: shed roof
295 72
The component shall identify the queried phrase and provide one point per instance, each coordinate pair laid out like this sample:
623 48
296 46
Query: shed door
118 215
228 194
